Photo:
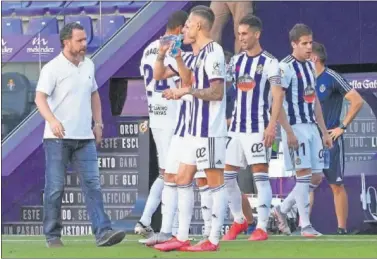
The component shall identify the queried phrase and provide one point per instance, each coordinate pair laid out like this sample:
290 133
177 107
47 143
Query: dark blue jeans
83 156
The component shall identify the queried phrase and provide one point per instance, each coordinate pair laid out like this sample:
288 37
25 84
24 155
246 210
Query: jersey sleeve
47 81
285 74
274 75
340 83
215 64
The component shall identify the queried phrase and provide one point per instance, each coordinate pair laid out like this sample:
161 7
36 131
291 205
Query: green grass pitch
350 246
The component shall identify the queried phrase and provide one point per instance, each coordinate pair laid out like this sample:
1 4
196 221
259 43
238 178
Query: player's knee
215 177
200 182
303 172
337 188
169 178
259 168
231 168
316 179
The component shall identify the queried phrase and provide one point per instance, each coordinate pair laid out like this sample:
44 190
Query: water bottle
326 158
166 40
176 46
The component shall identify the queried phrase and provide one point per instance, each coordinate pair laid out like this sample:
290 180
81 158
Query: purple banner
23 48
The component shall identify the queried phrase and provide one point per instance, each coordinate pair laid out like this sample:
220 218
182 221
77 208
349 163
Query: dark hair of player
320 50
253 21
177 19
298 31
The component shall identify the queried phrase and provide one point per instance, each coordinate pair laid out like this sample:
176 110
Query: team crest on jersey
322 88
298 161
309 94
259 69
245 83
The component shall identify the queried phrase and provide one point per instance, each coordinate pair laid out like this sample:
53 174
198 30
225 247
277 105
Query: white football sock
220 201
234 196
153 201
185 209
302 199
262 182
206 207
169 207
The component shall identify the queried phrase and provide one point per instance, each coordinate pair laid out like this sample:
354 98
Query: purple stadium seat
110 24
106 7
132 8
45 25
40 8
84 21
76 7
11 26
7 8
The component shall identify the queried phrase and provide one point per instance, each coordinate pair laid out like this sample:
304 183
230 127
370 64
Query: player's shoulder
214 47
151 49
288 60
268 55
332 73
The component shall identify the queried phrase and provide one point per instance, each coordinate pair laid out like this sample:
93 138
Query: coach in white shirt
68 100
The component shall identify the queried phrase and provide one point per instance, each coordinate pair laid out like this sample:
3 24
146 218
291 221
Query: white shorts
174 153
162 138
205 153
244 149
308 153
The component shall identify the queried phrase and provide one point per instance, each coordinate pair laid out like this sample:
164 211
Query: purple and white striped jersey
207 117
161 111
300 80
183 116
253 76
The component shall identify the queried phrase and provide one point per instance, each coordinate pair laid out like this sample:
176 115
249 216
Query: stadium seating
11 26
101 19
105 29
84 21
44 25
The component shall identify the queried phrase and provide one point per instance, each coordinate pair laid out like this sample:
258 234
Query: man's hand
269 135
57 128
97 131
292 140
175 93
327 140
335 133
163 49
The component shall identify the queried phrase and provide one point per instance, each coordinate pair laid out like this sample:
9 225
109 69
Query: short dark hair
253 21
298 31
205 13
177 19
66 32
201 7
320 50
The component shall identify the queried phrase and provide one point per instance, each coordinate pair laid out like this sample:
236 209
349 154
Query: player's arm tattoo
214 93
